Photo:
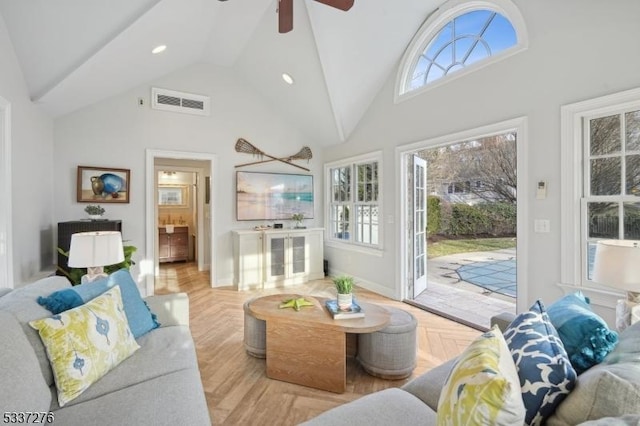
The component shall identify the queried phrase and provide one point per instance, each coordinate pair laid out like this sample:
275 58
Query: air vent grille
168 100
188 103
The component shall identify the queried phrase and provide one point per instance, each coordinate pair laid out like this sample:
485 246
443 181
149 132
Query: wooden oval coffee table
308 347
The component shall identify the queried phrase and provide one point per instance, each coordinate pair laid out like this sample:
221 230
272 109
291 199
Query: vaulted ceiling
76 52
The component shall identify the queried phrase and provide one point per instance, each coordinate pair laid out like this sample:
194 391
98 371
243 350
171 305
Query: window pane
354 219
479 52
365 182
435 73
472 22
340 222
445 57
603 220
421 69
605 176
605 135
341 178
500 35
633 174
463 47
631 221
591 255
633 130
367 224
442 38
468 38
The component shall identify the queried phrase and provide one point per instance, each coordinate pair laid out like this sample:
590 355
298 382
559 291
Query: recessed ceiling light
287 78
159 49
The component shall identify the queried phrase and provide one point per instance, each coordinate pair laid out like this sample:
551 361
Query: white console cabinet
277 257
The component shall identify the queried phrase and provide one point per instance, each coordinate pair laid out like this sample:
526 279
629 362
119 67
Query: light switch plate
542 225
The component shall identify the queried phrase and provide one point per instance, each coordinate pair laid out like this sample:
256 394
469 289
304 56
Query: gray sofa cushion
162 351
23 387
173 399
610 389
428 386
22 304
628 420
388 407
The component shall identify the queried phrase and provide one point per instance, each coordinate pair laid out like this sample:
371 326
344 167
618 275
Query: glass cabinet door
277 259
298 255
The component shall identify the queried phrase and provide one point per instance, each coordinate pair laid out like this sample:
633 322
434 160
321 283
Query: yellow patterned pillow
483 387
85 343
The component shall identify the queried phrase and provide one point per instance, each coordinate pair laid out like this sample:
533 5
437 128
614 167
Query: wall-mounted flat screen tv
273 196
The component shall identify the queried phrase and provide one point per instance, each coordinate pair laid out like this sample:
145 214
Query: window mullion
623 157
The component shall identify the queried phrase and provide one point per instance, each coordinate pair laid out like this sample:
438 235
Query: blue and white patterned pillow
546 374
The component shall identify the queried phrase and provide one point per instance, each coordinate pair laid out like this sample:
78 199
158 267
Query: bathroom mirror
173 196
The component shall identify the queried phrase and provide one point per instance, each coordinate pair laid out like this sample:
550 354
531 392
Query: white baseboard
368 285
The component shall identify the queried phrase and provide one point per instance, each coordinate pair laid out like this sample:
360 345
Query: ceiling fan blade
285 16
338 4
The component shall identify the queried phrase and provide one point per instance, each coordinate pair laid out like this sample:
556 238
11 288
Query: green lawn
447 247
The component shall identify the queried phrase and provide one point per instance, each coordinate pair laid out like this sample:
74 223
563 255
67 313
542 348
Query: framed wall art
273 196
102 185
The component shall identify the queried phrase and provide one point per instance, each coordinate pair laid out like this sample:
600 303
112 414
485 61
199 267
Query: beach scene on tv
273 196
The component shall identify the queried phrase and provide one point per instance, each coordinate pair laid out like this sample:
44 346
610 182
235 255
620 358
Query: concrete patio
449 295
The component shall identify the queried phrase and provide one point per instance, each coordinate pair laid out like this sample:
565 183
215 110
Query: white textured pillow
602 391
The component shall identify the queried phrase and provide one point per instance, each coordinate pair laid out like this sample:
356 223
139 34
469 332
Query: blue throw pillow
585 335
141 319
545 372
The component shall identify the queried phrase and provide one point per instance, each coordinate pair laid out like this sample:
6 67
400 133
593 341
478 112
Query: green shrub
468 220
434 215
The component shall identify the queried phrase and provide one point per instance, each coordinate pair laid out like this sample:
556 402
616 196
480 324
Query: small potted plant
344 287
298 217
94 211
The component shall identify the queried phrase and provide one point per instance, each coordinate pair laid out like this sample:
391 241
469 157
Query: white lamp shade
91 249
617 264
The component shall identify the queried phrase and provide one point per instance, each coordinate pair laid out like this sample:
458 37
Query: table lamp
94 250
617 264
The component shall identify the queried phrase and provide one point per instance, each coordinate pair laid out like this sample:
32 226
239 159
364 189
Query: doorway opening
179 221
178 224
462 225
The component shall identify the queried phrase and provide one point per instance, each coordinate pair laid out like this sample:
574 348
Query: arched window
458 39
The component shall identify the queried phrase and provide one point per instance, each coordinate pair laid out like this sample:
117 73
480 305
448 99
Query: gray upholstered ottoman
255 334
391 352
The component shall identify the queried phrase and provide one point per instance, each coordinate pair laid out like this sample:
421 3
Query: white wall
578 50
34 185
116 132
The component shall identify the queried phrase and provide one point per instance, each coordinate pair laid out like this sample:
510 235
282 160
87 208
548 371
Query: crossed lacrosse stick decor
244 146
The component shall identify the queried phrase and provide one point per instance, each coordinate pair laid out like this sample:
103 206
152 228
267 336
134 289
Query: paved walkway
471 287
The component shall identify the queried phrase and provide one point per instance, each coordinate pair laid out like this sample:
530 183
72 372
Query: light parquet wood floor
236 387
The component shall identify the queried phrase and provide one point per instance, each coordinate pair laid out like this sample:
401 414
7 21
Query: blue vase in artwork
112 184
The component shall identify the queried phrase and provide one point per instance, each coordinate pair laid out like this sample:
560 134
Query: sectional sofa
159 384
607 393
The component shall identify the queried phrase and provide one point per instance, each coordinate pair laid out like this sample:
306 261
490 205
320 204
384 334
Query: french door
419 207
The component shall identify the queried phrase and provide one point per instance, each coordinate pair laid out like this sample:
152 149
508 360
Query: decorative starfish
296 304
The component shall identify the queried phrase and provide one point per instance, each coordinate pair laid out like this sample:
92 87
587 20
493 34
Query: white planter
95 216
345 301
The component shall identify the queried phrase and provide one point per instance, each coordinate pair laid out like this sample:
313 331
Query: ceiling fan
285 11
